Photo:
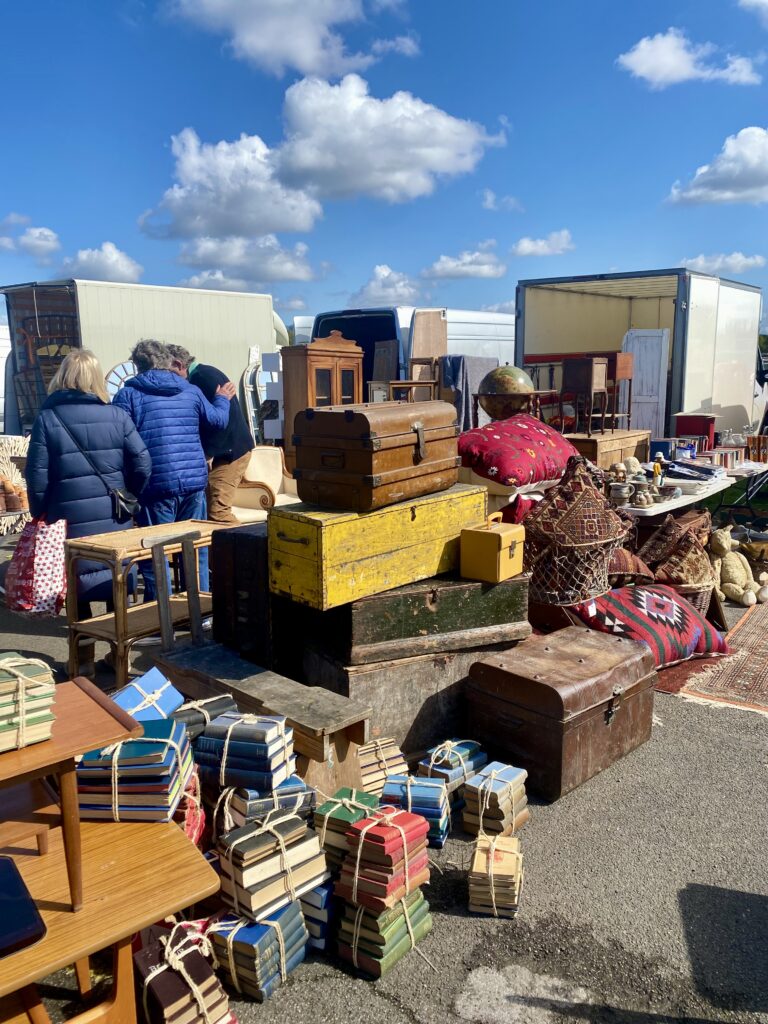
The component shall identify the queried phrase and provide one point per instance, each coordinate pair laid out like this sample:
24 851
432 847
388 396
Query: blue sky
337 152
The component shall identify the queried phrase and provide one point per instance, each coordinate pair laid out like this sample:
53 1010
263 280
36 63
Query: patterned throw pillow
517 451
625 568
688 563
661 543
657 616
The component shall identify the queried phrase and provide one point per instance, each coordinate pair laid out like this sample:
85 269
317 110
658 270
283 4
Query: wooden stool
621 366
586 378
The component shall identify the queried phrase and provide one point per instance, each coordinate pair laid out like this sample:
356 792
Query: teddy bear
733 573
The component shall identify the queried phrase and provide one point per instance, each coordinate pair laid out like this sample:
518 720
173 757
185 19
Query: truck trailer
694 337
46 319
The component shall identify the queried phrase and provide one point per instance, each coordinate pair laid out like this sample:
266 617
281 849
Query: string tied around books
412 938
348 803
173 960
199 705
224 804
113 752
383 816
281 943
149 700
246 719
12 665
445 750
269 825
229 938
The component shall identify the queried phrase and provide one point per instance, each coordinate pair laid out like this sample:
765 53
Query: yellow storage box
324 559
494 552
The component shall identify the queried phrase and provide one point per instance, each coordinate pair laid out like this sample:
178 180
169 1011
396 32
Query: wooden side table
135 873
410 386
86 719
120 551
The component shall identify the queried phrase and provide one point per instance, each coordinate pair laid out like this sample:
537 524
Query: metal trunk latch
614 704
421 447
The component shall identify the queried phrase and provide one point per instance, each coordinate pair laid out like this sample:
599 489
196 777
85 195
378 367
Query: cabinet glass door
323 386
347 378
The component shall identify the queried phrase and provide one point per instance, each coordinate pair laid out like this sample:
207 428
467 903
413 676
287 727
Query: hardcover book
196 714
149 697
251 728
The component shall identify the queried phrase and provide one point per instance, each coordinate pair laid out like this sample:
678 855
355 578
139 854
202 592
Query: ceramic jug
621 493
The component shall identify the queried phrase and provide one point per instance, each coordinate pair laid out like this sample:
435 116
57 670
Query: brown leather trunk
364 457
563 706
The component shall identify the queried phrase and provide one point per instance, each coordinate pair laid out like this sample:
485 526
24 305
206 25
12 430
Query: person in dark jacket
169 414
228 450
61 482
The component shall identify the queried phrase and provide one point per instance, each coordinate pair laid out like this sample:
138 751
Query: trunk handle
421 447
614 704
495 517
292 540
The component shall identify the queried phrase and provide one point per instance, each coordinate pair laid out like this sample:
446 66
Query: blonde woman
80 450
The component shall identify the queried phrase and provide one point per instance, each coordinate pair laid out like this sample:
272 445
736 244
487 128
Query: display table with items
120 552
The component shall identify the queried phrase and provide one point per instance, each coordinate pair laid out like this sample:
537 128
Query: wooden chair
586 379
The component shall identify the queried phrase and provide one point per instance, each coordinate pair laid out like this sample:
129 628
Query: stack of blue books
149 697
317 907
247 751
496 800
424 796
139 780
254 960
293 796
454 761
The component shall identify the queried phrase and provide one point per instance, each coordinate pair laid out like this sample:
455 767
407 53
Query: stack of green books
26 701
496 876
334 817
373 943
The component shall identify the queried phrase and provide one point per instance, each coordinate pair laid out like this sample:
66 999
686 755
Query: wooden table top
86 719
122 544
135 873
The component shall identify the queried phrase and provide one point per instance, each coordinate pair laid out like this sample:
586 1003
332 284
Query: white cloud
108 263
14 220
260 259
343 142
279 34
386 287
39 243
670 57
760 8
483 262
7 243
556 243
229 188
502 307
217 280
406 46
720 263
738 174
293 305
490 201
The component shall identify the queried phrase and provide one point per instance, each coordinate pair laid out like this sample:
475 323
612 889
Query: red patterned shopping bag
36 582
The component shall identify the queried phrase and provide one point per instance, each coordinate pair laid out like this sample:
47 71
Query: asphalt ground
645 898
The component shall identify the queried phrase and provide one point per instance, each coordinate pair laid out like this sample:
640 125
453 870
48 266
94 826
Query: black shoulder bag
124 504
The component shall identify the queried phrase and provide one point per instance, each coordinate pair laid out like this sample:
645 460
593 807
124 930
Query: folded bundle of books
496 876
196 714
386 860
149 697
245 806
455 761
268 865
427 797
373 943
495 800
26 701
335 816
378 760
256 958
317 908
249 751
178 985
142 779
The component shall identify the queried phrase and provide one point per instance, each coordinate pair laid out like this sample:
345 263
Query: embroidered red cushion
657 616
517 451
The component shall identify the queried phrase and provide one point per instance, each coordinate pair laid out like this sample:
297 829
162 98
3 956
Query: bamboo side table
119 551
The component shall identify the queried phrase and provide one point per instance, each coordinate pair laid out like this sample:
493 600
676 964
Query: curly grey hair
149 354
181 355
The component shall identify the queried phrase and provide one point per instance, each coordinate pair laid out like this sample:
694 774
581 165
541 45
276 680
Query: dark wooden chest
563 706
240 591
364 457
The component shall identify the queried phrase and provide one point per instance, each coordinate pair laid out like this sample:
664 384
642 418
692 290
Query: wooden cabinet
328 371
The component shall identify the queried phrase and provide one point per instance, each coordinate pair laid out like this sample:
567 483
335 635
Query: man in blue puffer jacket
168 413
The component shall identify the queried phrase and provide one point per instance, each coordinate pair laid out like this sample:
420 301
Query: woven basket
697 594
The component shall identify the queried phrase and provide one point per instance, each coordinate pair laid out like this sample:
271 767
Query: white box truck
694 337
46 318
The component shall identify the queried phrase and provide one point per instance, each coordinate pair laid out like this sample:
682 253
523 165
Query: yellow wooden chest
324 559
494 552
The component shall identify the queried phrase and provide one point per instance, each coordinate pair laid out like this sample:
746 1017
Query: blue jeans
173 510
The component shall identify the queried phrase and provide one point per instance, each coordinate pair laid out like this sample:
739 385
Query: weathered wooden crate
605 449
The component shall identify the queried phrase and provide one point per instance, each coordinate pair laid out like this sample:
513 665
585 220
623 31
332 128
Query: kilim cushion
688 563
625 568
517 451
656 616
